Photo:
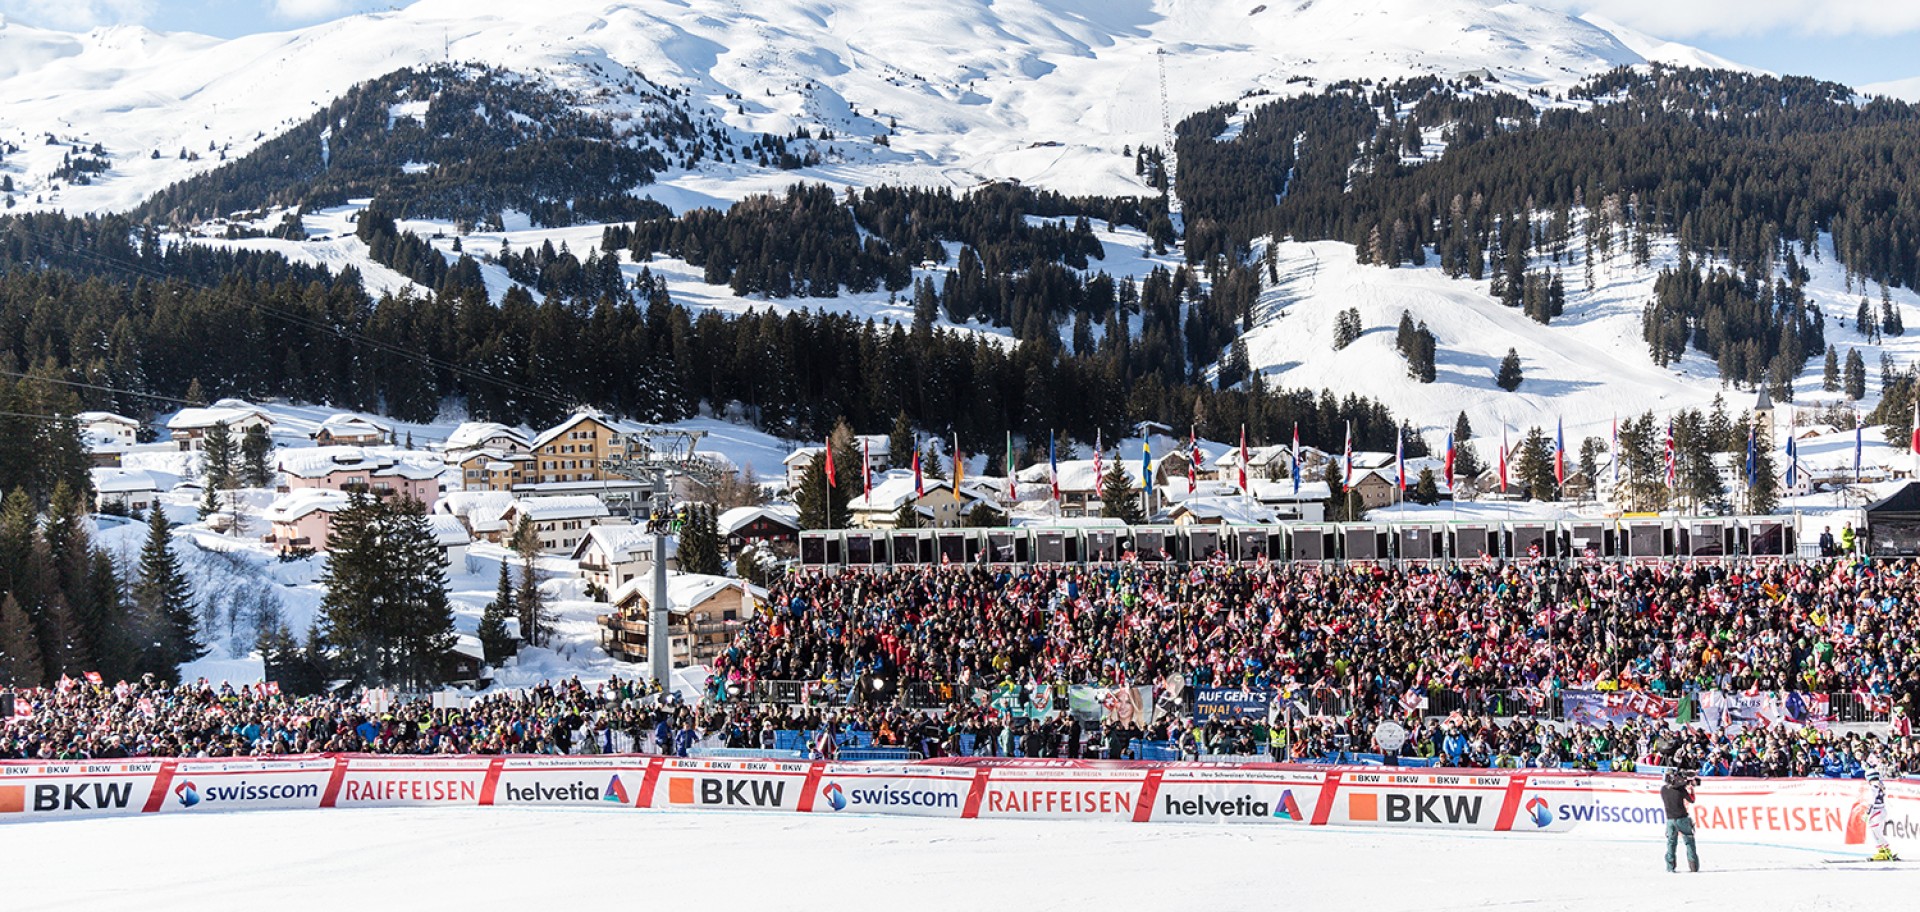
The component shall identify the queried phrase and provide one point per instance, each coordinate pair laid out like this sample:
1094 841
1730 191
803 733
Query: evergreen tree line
66 609
1757 331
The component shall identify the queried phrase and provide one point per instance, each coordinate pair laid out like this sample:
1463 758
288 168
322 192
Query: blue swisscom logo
1542 814
189 795
840 798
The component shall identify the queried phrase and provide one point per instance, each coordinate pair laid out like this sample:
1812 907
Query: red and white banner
752 785
909 791
408 781
245 784
1233 794
80 788
1454 799
611 782
1073 792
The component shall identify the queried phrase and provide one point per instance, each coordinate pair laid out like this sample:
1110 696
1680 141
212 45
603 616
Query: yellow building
577 449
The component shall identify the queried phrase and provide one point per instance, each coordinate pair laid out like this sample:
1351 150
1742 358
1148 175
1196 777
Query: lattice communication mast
1170 160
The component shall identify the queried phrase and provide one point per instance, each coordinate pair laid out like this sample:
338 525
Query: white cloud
311 10
1674 19
76 15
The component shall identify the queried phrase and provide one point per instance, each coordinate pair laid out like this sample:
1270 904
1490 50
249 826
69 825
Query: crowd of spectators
1343 648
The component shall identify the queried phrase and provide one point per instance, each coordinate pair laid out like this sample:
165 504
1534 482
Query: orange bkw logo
680 791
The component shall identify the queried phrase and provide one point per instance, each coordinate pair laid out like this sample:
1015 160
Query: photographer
1675 794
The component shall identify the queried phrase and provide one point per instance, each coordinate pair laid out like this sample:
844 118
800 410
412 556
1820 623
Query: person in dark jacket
1675 794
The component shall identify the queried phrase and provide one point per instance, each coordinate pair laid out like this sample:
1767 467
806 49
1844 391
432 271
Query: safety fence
1826 814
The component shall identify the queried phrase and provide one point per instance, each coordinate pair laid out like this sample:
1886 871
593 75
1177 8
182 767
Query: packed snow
452 859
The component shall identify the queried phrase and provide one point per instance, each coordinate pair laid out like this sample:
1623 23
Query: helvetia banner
1236 795
608 782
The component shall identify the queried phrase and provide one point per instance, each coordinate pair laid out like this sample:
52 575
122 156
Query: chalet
106 429
778 526
1216 511
559 522
612 556
703 614
479 512
877 447
474 436
302 520
352 430
189 425
129 490
1308 504
452 537
354 469
936 505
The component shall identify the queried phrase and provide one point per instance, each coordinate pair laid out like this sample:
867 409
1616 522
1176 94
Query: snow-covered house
492 470
352 430
1309 504
936 503
190 425
778 525
703 613
578 448
559 522
485 435
354 469
479 511
302 519
877 447
452 537
612 556
101 429
1216 510
129 490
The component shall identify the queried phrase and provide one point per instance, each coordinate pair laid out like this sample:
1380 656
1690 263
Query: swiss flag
1916 440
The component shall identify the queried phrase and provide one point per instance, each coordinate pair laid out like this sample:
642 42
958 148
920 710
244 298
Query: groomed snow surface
506 858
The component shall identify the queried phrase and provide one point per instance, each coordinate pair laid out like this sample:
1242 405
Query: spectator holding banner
1675 794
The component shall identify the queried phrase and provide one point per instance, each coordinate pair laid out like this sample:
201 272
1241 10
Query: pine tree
530 603
1830 372
1534 465
1119 499
1336 503
1427 491
699 548
901 443
386 607
1764 494
256 470
1856 375
163 596
209 501
219 454
493 621
908 516
20 661
823 506
1509 378
931 464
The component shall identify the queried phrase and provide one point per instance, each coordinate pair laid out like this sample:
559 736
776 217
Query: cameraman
1676 793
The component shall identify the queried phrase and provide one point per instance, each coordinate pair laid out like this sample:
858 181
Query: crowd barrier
1814 813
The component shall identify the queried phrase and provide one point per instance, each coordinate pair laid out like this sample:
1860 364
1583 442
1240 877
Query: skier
1877 815
1676 794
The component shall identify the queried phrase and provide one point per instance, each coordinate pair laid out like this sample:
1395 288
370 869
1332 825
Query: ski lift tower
652 456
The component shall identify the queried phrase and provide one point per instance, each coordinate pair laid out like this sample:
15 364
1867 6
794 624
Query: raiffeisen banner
408 781
1070 793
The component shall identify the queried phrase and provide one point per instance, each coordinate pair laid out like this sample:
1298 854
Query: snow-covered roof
555 509
550 434
481 510
291 507
353 424
319 462
448 531
472 434
104 418
226 411
892 489
622 543
806 453
1235 510
1282 491
740 517
132 481
685 591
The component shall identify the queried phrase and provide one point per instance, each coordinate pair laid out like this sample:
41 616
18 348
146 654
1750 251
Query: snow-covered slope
1902 89
1046 91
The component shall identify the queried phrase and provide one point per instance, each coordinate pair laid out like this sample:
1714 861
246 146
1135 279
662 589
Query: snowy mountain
1044 91
1902 89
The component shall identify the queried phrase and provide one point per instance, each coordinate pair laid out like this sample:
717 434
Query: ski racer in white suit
1877 815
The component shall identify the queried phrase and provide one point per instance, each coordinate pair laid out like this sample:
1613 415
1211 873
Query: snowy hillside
1903 89
1587 367
1045 91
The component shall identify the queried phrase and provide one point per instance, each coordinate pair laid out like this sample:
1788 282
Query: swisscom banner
895 791
411 781
1817 813
576 781
1230 795
753 785
213 786
91 788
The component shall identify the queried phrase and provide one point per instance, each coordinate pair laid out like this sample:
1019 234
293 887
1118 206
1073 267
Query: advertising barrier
1826 814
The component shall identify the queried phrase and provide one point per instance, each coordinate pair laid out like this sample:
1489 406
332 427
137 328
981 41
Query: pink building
353 469
301 520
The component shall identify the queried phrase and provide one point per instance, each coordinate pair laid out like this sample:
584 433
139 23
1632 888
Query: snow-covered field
499 858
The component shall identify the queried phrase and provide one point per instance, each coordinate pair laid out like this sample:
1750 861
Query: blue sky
1851 41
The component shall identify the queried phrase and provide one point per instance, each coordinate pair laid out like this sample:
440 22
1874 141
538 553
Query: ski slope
501 858
1048 92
